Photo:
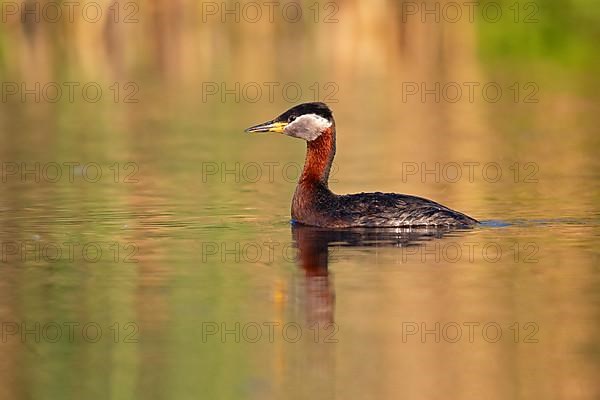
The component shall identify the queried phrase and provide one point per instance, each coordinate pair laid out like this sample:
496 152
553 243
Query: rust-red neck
319 157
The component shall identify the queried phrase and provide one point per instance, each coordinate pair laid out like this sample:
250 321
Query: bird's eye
291 119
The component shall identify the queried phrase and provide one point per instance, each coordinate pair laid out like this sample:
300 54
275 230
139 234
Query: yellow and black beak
270 126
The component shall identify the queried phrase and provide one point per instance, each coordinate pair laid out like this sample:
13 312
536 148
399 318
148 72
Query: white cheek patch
308 127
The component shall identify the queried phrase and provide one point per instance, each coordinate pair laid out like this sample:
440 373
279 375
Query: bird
314 204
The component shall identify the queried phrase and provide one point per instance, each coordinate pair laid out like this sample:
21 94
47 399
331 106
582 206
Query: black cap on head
318 108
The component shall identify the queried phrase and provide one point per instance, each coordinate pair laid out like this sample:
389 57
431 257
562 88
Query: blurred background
154 95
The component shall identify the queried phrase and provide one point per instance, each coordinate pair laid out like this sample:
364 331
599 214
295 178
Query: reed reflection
315 245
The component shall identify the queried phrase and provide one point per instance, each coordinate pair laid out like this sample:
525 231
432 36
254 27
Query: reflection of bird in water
313 257
314 204
314 245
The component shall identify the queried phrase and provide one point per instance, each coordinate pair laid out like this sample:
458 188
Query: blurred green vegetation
565 32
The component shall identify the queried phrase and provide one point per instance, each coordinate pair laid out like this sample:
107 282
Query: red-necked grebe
314 204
